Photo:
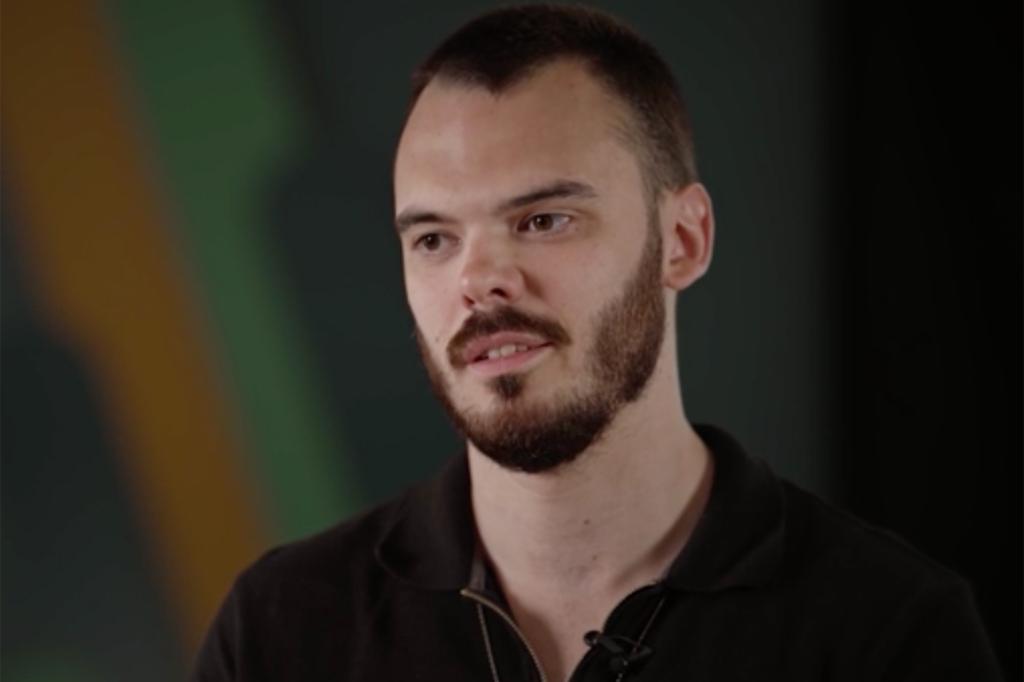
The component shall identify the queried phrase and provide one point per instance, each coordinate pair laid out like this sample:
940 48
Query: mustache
503 320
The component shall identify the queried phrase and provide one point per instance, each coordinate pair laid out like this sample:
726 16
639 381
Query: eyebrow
410 217
558 189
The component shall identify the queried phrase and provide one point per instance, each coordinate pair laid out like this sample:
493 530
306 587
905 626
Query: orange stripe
110 281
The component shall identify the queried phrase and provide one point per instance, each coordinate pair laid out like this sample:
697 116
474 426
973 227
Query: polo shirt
773 584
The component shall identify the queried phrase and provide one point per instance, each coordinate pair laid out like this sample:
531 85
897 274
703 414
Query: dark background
860 327
928 205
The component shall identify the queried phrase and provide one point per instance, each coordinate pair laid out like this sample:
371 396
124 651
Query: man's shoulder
830 545
333 556
878 598
786 535
423 537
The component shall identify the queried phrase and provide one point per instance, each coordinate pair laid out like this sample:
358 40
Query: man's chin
533 435
507 387
494 409
494 395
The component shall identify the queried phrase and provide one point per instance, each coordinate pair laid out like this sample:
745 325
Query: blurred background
205 344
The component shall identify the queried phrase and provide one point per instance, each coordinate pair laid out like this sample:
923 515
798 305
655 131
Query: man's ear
689 237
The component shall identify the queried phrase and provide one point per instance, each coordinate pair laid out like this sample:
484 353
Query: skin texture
567 541
536 436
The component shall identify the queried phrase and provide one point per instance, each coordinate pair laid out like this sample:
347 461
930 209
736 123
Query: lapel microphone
626 654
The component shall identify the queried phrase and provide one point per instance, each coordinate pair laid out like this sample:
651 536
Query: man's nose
490 275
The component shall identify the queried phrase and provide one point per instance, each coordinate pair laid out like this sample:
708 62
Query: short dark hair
505 46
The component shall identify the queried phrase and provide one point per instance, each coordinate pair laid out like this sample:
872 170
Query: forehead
464 141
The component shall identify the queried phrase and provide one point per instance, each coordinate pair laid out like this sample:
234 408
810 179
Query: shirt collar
737 542
431 542
740 536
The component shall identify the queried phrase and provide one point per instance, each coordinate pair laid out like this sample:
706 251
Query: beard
541 435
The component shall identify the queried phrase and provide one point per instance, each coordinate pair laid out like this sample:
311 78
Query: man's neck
602 518
570 543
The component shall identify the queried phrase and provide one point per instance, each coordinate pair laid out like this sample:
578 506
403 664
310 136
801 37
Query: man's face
532 262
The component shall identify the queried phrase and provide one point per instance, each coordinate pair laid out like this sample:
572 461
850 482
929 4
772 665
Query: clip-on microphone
626 653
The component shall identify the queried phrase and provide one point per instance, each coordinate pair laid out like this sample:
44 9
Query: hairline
627 126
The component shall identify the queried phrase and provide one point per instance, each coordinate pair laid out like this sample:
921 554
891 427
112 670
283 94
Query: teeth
505 351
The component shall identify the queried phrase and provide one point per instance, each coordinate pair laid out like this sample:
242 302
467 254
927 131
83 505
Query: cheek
584 283
428 302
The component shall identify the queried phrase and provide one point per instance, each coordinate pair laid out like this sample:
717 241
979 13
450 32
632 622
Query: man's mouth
504 341
495 347
503 352
521 359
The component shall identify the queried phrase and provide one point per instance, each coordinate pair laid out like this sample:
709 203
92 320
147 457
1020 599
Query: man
549 212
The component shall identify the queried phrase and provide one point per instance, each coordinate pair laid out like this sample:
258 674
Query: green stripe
210 91
57 665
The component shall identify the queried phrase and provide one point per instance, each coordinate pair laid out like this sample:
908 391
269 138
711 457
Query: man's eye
431 241
544 222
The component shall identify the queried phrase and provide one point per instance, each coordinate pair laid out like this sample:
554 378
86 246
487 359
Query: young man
549 212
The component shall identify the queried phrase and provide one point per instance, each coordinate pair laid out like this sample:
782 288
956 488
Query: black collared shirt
773 585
